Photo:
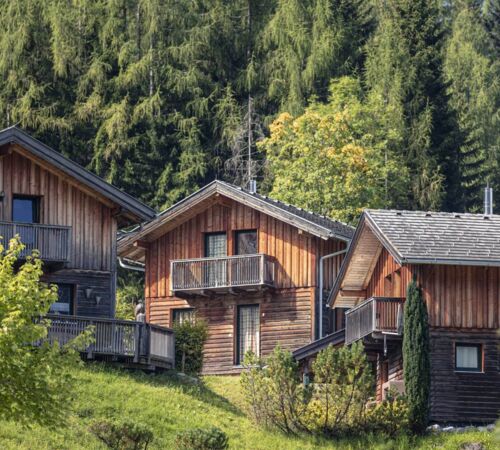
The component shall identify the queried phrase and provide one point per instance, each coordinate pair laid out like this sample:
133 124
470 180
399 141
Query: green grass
168 405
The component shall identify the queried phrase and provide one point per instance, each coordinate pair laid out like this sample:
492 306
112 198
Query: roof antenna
488 200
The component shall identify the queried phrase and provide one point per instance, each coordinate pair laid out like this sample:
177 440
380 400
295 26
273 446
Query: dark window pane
215 245
248 331
183 315
246 242
64 304
25 209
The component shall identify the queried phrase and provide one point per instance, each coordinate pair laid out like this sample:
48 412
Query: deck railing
377 314
52 241
226 272
134 341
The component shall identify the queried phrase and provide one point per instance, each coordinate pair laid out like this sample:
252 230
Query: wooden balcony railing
52 241
126 340
377 314
243 271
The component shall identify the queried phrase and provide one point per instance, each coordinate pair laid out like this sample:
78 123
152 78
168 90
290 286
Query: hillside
168 405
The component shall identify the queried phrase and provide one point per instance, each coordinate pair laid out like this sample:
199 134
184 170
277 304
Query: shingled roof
438 237
308 221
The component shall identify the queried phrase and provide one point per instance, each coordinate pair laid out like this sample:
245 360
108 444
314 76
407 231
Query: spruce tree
416 361
405 73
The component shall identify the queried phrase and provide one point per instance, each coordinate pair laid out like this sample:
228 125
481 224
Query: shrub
274 392
343 381
416 363
201 439
389 417
190 338
122 435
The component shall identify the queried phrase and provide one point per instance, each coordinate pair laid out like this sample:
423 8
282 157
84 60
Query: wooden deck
376 315
222 275
52 241
134 343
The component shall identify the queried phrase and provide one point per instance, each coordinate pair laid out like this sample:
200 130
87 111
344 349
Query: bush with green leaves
122 434
332 404
36 381
389 417
190 337
211 438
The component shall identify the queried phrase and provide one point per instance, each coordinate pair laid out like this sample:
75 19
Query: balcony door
215 270
26 211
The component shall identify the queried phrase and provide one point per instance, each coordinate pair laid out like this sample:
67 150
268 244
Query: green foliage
336 158
343 382
389 417
128 294
36 382
211 438
416 360
190 338
122 434
333 404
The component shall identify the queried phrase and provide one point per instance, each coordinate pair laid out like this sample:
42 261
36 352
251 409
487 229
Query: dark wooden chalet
71 217
245 263
456 260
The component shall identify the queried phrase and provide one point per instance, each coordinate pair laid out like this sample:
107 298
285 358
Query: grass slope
168 405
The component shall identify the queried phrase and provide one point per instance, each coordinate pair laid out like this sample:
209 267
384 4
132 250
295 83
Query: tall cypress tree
404 71
416 362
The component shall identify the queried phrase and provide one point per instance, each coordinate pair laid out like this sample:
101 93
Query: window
248 325
468 357
215 245
64 304
246 242
179 316
25 209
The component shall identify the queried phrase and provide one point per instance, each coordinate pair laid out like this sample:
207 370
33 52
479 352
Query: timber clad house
245 263
456 261
71 217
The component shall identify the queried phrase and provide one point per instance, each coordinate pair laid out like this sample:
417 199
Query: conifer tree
404 72
416 362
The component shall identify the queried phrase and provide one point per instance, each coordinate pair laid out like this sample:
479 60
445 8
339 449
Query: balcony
230 274
382 315
133 343
52 241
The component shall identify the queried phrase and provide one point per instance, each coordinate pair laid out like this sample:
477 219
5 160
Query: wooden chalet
71 217
245 263
456 261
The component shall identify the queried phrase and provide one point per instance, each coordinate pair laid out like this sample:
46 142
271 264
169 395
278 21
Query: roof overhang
132 246
127 205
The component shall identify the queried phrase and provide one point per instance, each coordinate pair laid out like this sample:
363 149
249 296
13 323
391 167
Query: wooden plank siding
286 312
63 201
456 296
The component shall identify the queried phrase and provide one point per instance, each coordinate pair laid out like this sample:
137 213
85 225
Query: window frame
36 206
238 360
480 357
173 312
237 233
72 302
206 237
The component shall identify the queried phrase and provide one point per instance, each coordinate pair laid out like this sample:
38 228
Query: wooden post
137 342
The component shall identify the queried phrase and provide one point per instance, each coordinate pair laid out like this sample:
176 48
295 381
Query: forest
340 104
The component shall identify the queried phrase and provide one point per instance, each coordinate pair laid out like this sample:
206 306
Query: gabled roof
312 223
14 135
416 237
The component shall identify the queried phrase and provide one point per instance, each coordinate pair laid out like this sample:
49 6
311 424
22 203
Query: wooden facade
463 304
287 309
77 219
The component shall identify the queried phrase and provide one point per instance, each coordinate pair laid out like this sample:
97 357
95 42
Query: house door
215 269
248 331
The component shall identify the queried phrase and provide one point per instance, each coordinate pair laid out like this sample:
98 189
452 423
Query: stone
472 446
490 427
449 429
434 428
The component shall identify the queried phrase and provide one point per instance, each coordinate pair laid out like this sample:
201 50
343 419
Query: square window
468 357
25 209
215 245
64 304
246 242
180 316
